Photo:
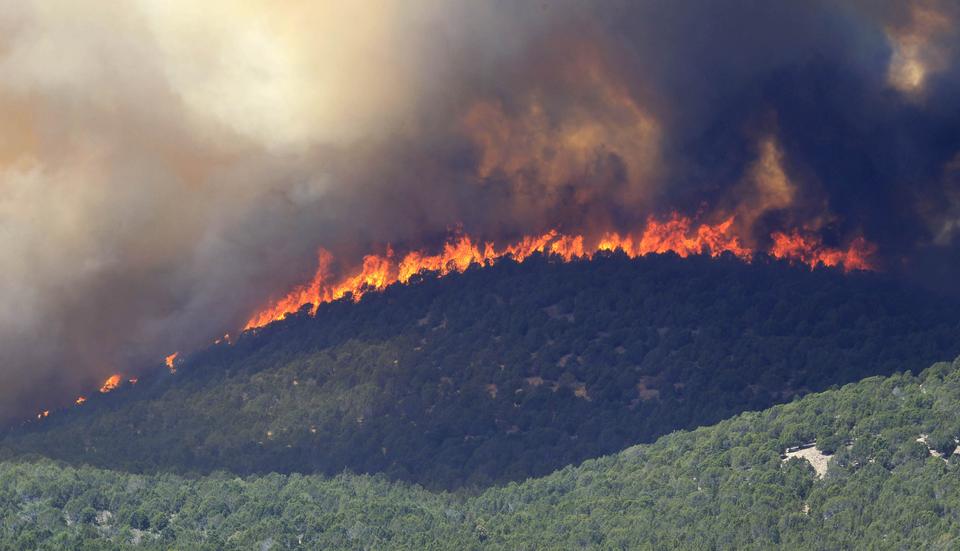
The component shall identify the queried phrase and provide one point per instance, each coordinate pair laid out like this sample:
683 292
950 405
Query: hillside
507 372
892 481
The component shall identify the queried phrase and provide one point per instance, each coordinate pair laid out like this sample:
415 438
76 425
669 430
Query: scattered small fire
43 414
133 380
111 383
80 400
169 361
675 233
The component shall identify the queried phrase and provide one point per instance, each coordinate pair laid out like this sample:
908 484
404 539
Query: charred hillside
507 372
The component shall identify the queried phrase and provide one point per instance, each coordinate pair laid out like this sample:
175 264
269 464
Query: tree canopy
508 372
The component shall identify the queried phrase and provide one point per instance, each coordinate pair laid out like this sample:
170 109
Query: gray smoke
166 170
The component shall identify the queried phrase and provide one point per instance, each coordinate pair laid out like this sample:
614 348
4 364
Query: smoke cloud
168 167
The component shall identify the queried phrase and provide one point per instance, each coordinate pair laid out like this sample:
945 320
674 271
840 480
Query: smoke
168 167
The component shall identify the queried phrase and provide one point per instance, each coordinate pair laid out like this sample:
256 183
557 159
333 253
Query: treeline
721 487
508 372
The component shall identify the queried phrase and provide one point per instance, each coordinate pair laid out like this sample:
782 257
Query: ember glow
110 384
169 361
674 234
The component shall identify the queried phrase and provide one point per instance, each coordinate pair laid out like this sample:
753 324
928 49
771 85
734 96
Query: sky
168 167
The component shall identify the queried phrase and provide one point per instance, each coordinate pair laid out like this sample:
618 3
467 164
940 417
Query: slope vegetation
504 373
892 482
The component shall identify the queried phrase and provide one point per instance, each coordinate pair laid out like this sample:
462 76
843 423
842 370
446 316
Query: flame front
676 233
111 383
808 249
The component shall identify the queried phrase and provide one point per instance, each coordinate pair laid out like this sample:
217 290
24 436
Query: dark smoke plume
165 169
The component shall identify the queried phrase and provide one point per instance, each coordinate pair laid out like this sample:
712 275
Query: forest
468 275
892 481
504 373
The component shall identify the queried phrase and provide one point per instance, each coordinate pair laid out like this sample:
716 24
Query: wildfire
43 414
809 250
111 383
80 400
169 361
676 233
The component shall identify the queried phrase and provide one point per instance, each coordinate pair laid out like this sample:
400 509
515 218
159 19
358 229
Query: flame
676 233
172 358
80 400
44 413
133 380
808 249
111 383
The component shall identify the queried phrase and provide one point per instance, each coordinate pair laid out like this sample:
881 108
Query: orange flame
809 250
169 361
80 400
111 383
44 413
676 233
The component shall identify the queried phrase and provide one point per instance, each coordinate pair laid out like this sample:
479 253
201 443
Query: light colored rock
814 456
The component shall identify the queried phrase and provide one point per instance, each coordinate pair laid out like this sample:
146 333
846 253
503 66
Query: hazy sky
168 166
